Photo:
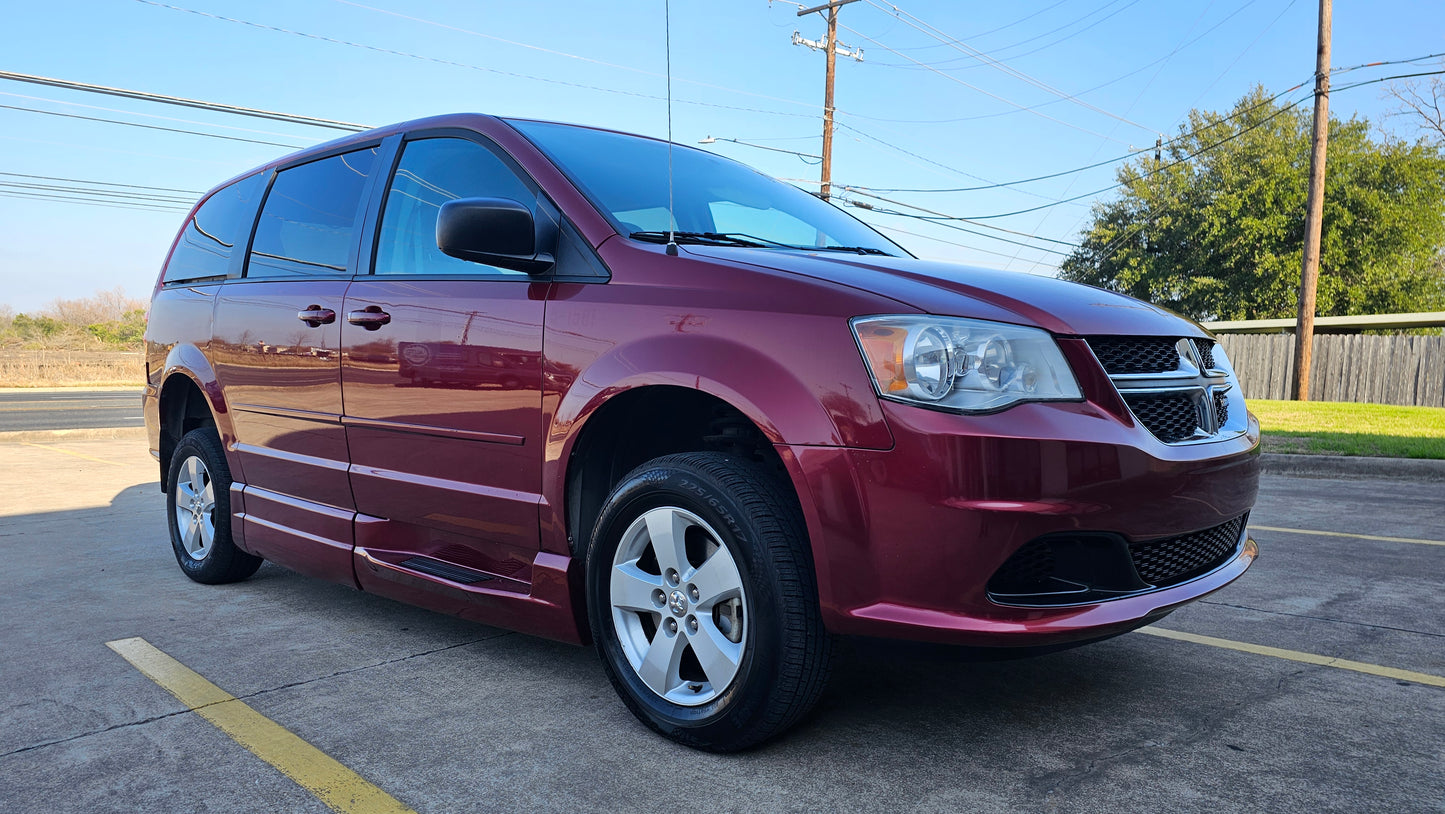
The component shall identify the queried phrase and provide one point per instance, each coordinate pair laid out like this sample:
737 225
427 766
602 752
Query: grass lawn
1344 428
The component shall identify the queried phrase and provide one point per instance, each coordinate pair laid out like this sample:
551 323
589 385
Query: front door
442 378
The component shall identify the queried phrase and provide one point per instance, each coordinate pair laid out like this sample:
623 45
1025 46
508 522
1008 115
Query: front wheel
703 604
198 497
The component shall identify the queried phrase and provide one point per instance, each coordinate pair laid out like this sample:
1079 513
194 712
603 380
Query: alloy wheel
195 508
679 606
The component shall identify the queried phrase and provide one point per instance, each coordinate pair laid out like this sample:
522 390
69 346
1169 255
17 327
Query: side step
445 570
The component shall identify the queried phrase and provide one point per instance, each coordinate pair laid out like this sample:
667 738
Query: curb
1350 466
101 433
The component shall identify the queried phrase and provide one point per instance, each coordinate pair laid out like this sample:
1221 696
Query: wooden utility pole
1304 333
830 49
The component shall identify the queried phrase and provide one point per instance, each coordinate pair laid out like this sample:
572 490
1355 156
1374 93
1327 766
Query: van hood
1061 307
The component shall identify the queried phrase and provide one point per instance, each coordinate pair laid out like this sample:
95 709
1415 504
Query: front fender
787 409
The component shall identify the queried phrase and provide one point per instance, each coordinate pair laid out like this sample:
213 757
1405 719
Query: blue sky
952 121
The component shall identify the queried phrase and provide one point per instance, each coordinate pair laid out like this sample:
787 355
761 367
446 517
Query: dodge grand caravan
502 369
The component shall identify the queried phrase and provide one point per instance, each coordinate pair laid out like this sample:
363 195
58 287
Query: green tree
1215 229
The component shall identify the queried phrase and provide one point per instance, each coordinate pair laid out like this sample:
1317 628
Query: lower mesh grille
1172 417
1177 559
1221 409
1071 569
1029 568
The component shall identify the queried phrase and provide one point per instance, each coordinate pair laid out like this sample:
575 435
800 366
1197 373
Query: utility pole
831 50
1304 333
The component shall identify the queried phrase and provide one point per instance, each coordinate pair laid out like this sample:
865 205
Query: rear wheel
198 499
702 601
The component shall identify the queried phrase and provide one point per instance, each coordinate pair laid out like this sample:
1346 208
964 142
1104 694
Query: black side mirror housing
496 231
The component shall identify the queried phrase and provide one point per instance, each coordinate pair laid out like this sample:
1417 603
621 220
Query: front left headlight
963 365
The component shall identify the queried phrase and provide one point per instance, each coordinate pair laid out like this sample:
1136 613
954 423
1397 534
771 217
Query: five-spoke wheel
678 605
195 507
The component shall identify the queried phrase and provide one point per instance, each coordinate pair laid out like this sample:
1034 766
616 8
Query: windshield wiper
742 239
706 238
853 249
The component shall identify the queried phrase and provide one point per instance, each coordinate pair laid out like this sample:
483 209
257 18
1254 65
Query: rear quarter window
210 237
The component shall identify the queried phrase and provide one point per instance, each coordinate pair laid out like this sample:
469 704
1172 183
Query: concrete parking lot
443 715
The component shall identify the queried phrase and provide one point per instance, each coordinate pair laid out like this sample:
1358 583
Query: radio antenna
667 38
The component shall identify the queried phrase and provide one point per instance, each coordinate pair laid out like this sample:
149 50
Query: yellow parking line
1253 527
1296 655
312 769
68 452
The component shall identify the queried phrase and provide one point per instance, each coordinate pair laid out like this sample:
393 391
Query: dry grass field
65 368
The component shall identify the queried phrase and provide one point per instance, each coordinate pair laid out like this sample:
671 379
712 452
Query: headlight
966 365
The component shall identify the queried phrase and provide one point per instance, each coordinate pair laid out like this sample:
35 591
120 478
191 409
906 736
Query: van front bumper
906 540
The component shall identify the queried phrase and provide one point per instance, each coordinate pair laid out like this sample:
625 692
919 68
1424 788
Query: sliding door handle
371 317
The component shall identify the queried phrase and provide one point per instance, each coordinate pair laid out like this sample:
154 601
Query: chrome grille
1178 389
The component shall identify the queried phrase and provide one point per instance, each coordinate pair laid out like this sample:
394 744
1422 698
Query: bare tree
1422 100
103 306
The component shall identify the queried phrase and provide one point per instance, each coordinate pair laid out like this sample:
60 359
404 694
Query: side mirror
496 231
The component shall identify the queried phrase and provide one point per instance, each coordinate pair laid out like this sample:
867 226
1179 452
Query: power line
945 224
1099 86
112 205
148 126
1161 168
945 216
1050 32
1114 245
1168 142
1084 168
181 101
469 66
930 161
935 239
156 116
1246 50
591 60
952 78
800 155
918 24
51 189
102 183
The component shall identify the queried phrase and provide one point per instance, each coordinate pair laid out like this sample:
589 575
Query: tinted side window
433 171
209 238
310 218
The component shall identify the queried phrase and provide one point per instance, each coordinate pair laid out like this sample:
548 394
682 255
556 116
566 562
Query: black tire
221 561
785 650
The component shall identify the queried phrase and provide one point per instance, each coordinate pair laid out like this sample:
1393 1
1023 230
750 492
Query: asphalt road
444 715
22 410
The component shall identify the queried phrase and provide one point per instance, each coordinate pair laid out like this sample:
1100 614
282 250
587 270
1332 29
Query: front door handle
371 317
316 316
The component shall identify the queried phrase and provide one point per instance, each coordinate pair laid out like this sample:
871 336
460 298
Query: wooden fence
1393 369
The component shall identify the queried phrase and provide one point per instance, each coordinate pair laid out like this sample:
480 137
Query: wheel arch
190 397
644 422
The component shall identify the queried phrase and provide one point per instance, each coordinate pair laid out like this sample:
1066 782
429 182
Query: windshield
716 201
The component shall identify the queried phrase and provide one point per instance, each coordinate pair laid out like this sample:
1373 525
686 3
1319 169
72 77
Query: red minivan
539 376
